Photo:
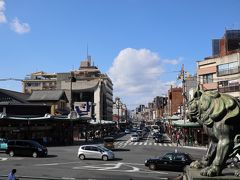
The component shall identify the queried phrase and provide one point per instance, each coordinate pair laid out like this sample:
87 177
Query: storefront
192 133
48 130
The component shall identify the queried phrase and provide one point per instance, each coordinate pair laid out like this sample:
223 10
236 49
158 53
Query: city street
63 163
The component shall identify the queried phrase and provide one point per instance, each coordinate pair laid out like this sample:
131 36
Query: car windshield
134 135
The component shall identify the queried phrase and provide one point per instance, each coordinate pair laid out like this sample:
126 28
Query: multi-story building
222 70
119 111
190 86
175 100
88 90
39 81
159 103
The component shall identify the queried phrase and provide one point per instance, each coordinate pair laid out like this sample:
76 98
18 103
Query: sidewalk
183 145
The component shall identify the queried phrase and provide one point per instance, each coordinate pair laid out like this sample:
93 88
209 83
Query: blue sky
140 44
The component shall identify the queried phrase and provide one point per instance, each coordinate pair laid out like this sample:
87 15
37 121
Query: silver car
95 151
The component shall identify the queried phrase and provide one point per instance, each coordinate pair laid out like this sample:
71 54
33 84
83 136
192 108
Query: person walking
11 175
178 139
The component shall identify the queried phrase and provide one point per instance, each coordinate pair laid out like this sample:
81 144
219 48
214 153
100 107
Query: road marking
115 167
140 143
55 164
124 144
3 159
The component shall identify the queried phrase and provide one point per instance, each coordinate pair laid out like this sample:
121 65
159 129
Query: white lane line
165 144
135 143
55 164
145 144
140 143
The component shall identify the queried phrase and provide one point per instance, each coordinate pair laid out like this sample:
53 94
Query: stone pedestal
194 174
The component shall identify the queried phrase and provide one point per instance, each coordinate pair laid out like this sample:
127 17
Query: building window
229 68
32 84
207 78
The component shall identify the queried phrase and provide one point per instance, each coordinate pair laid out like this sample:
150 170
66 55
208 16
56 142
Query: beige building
87 89
39 81
222 71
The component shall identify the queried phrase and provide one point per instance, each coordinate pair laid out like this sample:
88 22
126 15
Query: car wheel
11 153
152 166
81 156
34 154
105 158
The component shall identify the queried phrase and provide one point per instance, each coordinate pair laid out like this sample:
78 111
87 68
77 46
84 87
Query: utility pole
182 77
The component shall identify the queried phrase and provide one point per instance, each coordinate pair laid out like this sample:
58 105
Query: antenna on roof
88 57
87 50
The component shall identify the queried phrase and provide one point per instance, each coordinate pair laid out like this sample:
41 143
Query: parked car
3 144
26 148
95 152
170 161
135 137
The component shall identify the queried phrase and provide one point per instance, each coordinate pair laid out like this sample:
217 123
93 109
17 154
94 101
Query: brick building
175 100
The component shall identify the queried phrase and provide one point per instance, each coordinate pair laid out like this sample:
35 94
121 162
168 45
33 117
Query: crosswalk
129 143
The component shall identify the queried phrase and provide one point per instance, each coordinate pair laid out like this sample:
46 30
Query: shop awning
186 123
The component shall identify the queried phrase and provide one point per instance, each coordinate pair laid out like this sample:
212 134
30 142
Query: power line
9 79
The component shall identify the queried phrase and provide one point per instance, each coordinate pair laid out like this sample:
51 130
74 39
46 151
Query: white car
95 152
135 138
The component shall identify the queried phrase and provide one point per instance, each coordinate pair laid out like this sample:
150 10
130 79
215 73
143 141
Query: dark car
170 161
26 148
159 138
155 134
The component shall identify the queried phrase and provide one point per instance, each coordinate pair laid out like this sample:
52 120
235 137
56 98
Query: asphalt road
63 163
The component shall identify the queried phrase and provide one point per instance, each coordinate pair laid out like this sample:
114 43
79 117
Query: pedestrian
178 139
11 175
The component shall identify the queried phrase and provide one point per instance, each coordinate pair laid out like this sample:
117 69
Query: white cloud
19 27
136 76
3 18
172 61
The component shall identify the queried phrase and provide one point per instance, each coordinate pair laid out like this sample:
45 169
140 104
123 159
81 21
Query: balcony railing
224 89
228 71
